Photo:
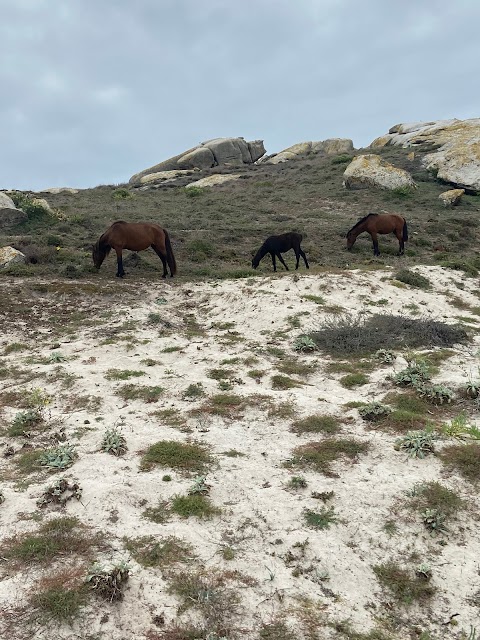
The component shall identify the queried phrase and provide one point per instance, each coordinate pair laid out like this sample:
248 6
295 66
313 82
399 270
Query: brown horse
135 236
275 245
374 223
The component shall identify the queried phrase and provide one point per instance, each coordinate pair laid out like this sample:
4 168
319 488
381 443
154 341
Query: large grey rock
165 176
457 161
200 158
333 146
10 216
229 151
211 153
372 171
9 255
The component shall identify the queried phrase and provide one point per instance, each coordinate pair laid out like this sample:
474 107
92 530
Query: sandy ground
261 519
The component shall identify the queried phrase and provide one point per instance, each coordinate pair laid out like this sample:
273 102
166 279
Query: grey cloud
92 92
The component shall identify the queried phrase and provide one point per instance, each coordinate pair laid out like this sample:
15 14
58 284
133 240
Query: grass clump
316 424
435 503
406 588
137 392
161 513
193 392
464 458
177 455
63 536
321 455
151 552
353 380
224 404
283 383
348 335
59 603
413 279
122 374
297 482
195 505
320 519
25 421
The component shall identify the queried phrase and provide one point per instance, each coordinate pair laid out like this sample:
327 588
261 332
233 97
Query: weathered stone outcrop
212 181
372 171
452 197
333 146
56 190
165 176
219 151
9 255
457 161
9 214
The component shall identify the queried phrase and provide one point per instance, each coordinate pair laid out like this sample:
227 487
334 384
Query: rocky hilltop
455 156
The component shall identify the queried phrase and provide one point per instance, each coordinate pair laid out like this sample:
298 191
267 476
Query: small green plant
416 373
435 393
108 582
460 429
26 420
194 192
418 444
434 520
193 392
374 411
472 389
320 519
305 344
114 442
56 357
297 482
342 159
122 194
59 458
385 355
199 486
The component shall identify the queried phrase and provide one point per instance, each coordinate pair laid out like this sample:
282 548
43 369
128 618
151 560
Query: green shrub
353 380
418 444
413 279
321 455
316 424
177 455
374 411
59 458
114 442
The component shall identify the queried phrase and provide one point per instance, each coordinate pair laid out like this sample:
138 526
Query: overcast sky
93 91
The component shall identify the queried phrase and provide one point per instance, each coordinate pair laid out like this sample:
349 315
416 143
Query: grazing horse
374 223
135 236
275 245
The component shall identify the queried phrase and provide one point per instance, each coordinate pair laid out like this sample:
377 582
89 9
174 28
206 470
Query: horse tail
405 231
172 263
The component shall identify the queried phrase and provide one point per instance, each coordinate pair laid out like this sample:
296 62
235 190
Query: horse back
135 236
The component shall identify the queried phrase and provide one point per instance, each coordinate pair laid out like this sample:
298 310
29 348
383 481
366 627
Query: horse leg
297 256
376 251
120 271
302 253
401 244
163 258
279 255
273 261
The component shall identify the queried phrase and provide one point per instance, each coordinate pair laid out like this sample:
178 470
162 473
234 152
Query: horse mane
359 222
